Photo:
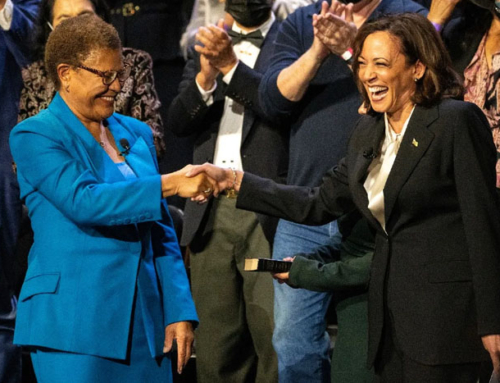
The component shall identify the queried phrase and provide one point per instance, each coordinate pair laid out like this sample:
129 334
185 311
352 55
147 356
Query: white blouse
380 168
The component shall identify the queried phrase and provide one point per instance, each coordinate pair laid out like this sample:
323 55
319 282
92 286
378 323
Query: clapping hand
207 75
334 27
441 10
217 47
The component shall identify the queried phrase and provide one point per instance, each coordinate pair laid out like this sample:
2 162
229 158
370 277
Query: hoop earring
67 88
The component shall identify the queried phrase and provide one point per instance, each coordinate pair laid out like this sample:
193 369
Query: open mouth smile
378 92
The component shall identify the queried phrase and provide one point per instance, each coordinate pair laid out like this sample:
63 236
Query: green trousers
235 307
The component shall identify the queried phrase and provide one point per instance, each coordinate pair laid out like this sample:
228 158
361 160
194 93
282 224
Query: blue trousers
52 366
300 338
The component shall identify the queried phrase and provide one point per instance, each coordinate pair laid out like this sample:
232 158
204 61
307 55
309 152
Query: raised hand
335 28
207 75
216 47
441 10
319 49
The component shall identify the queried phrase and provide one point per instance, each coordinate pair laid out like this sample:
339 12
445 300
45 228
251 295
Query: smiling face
64 9
88 97
387 78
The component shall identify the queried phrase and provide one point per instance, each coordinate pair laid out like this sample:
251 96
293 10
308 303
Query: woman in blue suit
106 290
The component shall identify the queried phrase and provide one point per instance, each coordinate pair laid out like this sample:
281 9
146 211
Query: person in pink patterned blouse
137 98
471 31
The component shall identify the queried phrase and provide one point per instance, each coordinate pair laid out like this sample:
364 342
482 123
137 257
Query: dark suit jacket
15 46
438 267
150 25
264 147
463 34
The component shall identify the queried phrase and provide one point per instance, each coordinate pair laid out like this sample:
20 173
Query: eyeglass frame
104 74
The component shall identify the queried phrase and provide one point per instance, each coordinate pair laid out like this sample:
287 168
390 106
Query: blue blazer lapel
83 144
141 160
139 156
415 143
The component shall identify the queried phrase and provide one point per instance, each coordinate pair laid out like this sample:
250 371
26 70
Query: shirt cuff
229 75
438 27
6 15
207 95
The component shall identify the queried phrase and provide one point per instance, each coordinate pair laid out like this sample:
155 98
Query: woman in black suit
421 168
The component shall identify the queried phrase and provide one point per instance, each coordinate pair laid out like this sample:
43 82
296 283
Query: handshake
199 182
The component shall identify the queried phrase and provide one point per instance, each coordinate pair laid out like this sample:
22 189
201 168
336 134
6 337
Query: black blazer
264 146
150 25
438 267
463 34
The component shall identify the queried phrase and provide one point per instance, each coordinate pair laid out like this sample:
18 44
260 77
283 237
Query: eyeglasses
110 75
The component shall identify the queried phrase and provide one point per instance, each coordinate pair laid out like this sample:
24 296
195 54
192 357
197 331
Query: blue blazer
90 226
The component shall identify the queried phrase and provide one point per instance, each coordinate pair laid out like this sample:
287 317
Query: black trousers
393 366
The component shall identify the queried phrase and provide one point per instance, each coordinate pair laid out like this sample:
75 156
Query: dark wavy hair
75 39
418 41
45 15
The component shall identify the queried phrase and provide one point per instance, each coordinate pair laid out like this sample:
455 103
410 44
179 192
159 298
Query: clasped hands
199 182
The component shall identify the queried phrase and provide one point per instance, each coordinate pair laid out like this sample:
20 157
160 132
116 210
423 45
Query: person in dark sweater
310 84
345 272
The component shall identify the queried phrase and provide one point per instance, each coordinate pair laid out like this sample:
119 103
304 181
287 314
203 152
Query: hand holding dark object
183 333
283 277
217 47
335 28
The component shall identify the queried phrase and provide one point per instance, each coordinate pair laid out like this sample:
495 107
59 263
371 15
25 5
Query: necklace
103 137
